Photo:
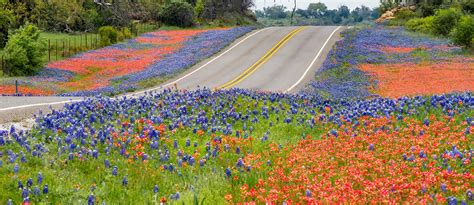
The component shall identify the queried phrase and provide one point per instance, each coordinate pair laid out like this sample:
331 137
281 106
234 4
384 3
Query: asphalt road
271 59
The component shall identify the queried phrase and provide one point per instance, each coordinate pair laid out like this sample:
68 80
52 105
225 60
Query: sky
303 4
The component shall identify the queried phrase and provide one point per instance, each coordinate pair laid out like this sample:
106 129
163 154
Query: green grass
64 45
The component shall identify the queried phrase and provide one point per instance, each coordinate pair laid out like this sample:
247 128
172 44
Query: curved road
271 59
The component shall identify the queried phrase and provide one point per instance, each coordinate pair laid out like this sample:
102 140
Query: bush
463 33
108 35
24 51
405 14
178 14
445 20
423 25
126 33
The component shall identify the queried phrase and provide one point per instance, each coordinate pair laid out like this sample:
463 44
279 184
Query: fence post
80 42
64 48
69 47
3 67
16 87
56 49
49 50
86 41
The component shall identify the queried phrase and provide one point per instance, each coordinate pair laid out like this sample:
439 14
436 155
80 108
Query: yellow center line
261 61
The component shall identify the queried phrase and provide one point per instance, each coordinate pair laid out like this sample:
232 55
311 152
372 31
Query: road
271 59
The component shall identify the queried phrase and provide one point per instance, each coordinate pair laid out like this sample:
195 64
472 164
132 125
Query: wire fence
63 48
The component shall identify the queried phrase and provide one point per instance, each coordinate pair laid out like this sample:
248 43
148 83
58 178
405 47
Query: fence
62 48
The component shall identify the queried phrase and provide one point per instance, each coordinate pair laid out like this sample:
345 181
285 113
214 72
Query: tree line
320 14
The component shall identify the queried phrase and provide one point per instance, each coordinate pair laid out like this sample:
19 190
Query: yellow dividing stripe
261 61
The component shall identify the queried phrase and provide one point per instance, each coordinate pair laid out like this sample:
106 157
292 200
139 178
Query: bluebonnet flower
107 163
240 163
29 182
114 170
228 173
16 168
24 193
39 179
452 200
308 193
443 187
45 189
155 189
125 181
36 191
91 200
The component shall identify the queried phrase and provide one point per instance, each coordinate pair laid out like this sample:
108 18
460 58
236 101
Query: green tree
344 11
178 14
445 20
24 51
317 10
463 33
6 20
275 12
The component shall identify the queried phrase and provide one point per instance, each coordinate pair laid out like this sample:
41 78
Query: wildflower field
234 146
351 137
391 62
151 57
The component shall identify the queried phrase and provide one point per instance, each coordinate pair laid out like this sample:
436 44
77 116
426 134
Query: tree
303 13
259 14
344 11
317 10
6 20
24 51
463 33
445 20
178 14
275 12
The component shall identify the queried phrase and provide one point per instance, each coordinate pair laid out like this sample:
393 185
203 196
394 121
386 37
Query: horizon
303 4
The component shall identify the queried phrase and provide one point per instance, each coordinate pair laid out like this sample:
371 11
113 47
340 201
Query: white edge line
38 104
201 67
143 91
314 60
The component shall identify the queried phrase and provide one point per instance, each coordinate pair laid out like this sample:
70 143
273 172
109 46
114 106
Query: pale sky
303 4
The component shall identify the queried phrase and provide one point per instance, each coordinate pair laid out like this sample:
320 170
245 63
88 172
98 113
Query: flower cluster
239 145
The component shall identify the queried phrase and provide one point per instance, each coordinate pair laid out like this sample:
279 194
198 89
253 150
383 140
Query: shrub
108 35
178 14
424 25
24 51
463 33
445 20
126 33
405 14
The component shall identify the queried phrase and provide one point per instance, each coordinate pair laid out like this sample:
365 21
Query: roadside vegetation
316 14
453 20
65 25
